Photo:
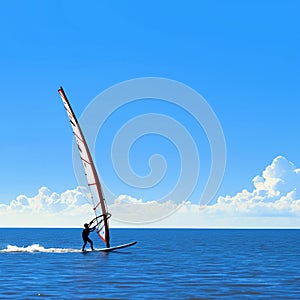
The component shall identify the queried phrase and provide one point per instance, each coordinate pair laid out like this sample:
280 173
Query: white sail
96 193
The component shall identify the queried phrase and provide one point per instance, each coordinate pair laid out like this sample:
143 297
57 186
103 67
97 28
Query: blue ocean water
165 264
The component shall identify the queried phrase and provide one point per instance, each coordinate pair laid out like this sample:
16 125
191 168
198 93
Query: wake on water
37 248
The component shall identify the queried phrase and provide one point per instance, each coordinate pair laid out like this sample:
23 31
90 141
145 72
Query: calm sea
165 264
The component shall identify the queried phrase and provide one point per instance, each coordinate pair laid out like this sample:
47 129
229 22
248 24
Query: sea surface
164 264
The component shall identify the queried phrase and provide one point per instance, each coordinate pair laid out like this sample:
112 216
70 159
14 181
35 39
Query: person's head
86 225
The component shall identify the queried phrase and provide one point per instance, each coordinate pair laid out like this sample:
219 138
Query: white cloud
46 209
273 202
275 193
132 210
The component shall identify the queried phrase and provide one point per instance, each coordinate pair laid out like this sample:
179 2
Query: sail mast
93 179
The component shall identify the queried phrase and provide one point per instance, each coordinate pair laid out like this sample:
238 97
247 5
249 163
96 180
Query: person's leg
91 243
85 242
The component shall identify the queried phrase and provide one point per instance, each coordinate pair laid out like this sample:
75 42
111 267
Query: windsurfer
85 236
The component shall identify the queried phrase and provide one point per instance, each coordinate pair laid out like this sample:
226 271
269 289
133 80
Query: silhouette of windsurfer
85 236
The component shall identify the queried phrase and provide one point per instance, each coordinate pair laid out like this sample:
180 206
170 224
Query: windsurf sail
96 194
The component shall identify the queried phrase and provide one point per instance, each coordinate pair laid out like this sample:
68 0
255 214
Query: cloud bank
276 193
273 202
46 209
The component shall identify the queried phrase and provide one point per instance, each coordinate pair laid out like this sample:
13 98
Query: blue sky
241 56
